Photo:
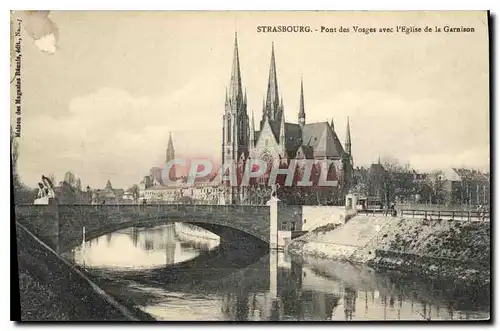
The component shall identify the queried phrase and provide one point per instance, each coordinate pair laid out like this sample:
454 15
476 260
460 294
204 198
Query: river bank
441 250
50 290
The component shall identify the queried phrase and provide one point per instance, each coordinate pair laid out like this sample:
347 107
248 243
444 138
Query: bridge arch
62 225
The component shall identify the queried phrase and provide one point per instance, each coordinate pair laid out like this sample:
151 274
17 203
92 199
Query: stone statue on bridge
45 191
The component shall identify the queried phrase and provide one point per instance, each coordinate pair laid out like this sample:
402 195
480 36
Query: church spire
282 131
252 133
302 112
348 138
272 101
170 145
170 155
235 90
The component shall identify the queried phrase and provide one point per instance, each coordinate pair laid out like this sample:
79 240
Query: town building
108 195
153 189
461 186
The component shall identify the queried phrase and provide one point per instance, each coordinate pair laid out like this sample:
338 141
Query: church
275 140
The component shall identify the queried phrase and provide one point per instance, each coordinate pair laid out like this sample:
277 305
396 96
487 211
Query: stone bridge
60 226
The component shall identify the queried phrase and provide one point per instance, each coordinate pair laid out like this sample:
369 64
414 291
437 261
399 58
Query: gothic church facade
275 140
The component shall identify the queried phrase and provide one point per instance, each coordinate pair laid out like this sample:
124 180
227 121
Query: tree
135 192
22 193
78 185
401 178
436 182
14 147
360 189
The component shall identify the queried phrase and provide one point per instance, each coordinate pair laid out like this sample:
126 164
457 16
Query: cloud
110 133
385 123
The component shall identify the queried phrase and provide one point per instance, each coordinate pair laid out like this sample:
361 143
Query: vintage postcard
250 166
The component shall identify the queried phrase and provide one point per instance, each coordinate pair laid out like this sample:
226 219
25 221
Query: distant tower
282 141
251 137
235 121
302 112
78 184
348 139
108 185
348 161
170 155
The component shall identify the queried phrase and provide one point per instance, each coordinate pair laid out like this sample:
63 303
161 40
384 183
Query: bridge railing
150 208
446 214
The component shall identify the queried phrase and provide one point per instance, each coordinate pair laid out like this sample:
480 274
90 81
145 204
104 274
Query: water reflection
317 291
143 248
277 287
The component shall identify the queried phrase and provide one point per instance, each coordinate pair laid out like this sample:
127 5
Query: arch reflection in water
144 248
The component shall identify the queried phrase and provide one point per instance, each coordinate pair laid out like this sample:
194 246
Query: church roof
317 139
311 134
322 139
275 128
293 138
304 152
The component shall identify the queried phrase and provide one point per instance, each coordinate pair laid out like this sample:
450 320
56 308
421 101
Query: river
173 273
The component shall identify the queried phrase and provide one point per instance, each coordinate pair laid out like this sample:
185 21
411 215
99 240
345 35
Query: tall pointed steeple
302 112
170 155
235 90
170 142
235 121
251 139
264 113
282 131
348 138
272 99
332 125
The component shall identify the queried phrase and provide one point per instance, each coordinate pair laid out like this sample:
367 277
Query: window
284 226
229 130
267 142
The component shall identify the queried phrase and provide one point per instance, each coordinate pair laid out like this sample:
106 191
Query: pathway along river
172 273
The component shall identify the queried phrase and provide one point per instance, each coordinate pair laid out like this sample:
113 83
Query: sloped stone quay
50 290
455 251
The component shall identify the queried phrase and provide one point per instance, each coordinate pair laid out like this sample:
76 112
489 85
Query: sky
103 105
